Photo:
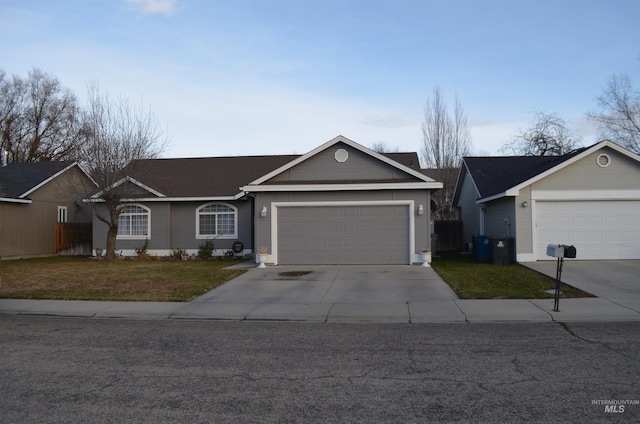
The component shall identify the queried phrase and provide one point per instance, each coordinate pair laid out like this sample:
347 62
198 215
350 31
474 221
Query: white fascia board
133 181
12 200
145 187
183 199
173 199
557 195
342 187
348 142
51 178
494 197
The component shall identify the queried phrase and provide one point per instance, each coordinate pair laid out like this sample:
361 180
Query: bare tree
39 119
548 135
382 147
115 135
445 140
619 116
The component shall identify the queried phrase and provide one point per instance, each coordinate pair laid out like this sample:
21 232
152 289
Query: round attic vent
341 155
603 160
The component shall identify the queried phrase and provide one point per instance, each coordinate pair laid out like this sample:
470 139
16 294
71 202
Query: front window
216 220
133 222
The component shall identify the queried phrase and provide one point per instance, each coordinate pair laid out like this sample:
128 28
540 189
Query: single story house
340 203
34 198
589 198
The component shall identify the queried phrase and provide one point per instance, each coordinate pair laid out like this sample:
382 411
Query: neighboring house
34 197
341 203
589 198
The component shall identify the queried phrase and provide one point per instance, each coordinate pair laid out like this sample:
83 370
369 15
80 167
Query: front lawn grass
475 280
80 278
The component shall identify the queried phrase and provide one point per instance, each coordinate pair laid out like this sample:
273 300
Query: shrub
142 251
205 251
178 253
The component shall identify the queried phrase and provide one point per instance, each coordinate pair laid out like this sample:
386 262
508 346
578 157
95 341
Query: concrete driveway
373 292
616 281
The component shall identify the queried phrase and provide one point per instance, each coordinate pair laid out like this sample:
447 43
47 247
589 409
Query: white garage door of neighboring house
599 229
366 234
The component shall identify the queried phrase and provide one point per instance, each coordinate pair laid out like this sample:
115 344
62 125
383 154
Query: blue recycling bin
482 248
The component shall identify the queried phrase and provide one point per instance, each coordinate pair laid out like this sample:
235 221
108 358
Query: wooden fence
73 238
449 234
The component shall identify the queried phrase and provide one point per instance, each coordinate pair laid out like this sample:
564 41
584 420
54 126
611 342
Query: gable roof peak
342 139
19 179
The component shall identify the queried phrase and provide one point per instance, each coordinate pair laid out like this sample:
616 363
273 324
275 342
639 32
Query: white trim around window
134 222
216 220
62 214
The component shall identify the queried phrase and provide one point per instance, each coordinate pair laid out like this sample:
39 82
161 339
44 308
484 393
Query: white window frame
216 236
135 237
62 214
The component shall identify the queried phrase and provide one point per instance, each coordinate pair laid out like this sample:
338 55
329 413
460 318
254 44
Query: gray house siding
173 226
183 227
468 210
324 167
499 218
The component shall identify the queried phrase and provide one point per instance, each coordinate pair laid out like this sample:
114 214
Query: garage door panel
376 234
598 229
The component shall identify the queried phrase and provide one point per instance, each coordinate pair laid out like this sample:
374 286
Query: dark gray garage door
327 235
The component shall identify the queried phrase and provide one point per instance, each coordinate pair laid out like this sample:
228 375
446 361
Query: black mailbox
569 251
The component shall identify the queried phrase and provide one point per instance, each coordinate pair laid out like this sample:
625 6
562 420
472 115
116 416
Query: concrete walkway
382 294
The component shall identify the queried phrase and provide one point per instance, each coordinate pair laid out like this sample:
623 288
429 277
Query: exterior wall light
525 204
263 212
420 209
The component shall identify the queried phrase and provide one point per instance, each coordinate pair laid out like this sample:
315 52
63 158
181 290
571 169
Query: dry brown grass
89 279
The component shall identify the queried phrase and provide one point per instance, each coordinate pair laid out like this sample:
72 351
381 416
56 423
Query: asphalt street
115 371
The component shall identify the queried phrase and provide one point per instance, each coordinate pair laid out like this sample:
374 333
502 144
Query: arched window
134 221
216 220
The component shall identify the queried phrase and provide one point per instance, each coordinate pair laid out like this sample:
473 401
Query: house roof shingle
496 174
219 176
17 179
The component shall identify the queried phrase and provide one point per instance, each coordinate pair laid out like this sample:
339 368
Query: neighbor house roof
498 176
493 175
18 180
217 176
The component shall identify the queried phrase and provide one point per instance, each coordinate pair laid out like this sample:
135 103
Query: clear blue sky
243 77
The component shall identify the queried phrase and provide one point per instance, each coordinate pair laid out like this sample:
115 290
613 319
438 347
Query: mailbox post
559 251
